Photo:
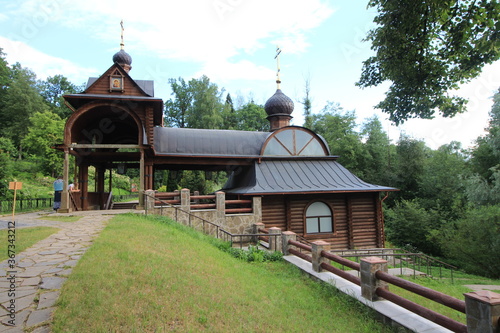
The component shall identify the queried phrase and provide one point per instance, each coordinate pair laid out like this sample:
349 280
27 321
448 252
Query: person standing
58 188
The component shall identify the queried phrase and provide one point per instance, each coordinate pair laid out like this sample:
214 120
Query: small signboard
15 185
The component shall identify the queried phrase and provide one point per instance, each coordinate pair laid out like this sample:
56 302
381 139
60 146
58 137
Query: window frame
332 216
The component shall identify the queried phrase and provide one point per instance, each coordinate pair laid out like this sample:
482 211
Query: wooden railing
199 202
368 273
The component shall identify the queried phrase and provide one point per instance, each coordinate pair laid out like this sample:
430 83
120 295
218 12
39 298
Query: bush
410 226
474 241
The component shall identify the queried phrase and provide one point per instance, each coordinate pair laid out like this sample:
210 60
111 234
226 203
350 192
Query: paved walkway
42 269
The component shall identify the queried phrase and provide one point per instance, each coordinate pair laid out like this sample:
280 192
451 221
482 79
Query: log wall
356 219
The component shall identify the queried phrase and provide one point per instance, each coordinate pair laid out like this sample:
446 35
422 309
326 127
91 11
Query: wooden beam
107 146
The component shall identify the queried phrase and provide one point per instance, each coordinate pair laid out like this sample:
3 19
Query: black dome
279 103
123 58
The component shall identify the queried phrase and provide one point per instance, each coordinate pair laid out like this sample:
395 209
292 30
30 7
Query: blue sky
233 42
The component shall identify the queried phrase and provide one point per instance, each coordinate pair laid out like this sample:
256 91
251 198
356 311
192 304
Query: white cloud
42 64
220 71
189 30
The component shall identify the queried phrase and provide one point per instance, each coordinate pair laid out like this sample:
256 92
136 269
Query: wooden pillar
84 186
148 176
350 228
100 173
141 181
110 180
65 203
379 221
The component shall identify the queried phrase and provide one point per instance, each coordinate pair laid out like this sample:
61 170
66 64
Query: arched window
294 141
319 218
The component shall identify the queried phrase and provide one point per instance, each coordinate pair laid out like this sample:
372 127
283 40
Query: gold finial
277 57
122 44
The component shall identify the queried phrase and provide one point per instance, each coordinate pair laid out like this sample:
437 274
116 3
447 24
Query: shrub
474 241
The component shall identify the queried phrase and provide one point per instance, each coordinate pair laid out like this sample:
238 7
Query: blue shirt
58 185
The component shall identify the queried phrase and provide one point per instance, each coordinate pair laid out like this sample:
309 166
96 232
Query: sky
233 42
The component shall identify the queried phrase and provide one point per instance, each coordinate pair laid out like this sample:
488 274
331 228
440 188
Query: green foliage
253 254
46 132
411 155
196 104
338 127
474 241
380 154
20 101
441 187
426 48
480 192
52 91
251 117
410 226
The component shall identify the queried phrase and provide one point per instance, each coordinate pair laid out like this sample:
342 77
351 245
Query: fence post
317 259
150 201
285 237
275 241
255 230
369 282
220 204
483 311
184 218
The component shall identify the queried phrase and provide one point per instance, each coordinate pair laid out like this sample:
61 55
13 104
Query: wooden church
117 123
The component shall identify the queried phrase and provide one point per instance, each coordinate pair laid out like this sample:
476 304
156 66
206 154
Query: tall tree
411 156
21 100
338 127
377 164
229 114
486 153
195 104
206 109
251 117
426 48
441 185
307 104
52 91
46 131
176 108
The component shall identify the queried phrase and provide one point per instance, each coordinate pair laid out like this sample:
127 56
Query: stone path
28 293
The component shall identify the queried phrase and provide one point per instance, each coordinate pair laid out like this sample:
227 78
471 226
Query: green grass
70 218
143 274
24 238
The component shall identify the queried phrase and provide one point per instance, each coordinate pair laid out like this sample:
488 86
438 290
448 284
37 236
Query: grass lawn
25 237
70 218
146 274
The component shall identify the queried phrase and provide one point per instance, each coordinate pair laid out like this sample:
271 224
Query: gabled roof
207 142
146 85
135 87
303 176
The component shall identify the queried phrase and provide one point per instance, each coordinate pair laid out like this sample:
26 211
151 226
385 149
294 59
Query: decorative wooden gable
115 81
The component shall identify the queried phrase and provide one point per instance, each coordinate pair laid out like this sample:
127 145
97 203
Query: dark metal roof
206 142
289 176
146 85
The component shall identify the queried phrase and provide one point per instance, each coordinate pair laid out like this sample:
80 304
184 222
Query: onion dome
123 58
279 104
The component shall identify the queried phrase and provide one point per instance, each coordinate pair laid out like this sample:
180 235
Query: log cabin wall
355 217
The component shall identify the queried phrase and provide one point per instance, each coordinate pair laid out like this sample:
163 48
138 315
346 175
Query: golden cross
277 57
122 44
